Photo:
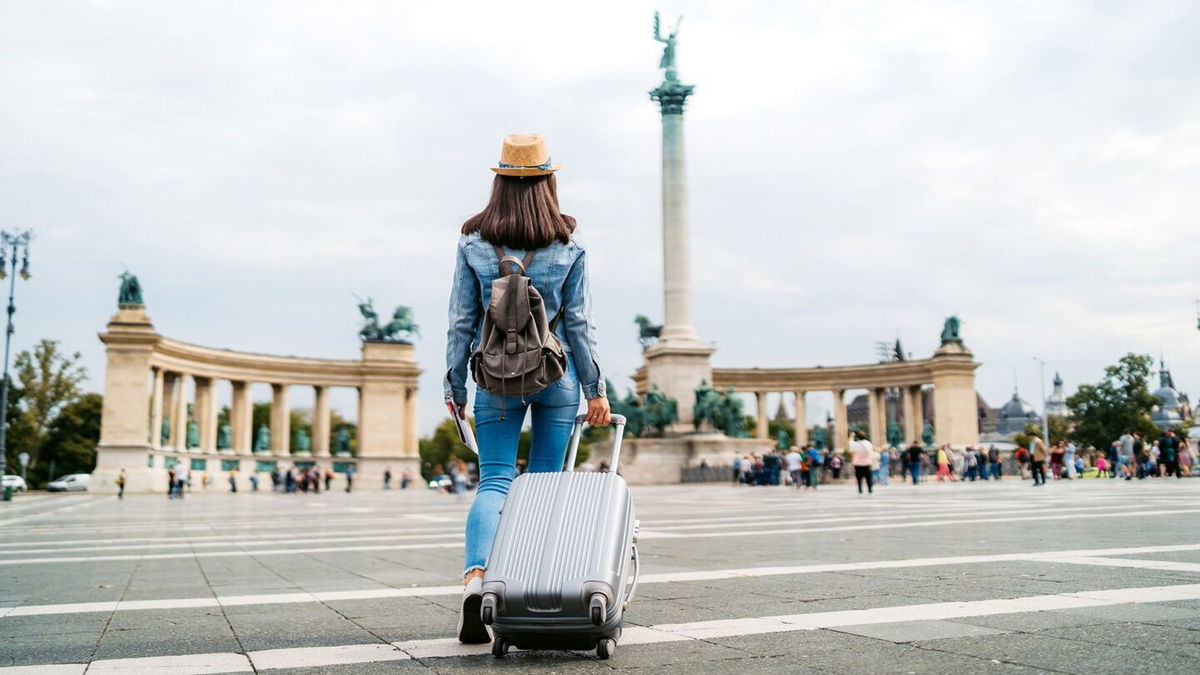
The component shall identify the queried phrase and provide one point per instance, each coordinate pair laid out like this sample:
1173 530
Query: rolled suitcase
564 564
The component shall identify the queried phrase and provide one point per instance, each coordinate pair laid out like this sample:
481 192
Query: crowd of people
306 478
1129 457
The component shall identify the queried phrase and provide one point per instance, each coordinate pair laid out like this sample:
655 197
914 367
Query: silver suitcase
564 563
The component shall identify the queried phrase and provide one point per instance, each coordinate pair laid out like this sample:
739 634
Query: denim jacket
559 273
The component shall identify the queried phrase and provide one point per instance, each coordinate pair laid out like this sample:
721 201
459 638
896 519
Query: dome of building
1056 404
1016 415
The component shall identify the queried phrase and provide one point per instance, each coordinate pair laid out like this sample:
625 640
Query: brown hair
522 213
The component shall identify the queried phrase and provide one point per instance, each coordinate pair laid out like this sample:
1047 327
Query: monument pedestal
955 415
678 369
657 461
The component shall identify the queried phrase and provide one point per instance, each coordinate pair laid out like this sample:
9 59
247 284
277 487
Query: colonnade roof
227 364
832 378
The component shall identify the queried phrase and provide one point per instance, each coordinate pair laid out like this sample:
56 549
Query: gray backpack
518 353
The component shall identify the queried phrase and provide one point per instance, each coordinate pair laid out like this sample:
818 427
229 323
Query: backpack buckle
510 341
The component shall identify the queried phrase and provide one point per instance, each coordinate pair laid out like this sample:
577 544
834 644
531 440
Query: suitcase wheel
598 609
605 648
500 647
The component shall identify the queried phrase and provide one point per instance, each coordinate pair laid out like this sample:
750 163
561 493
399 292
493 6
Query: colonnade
147 381
911 411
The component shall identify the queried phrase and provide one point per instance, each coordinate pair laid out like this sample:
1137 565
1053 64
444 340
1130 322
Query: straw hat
525 155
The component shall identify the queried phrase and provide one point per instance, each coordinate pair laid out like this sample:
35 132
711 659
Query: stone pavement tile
742 666
913 631
845 653
194 620
165 642
1166 639
38 649
1031 622
1055 653
1154 612
379 668
650 612
54 624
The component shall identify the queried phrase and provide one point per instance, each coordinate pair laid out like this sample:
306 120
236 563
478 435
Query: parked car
15 482
71 482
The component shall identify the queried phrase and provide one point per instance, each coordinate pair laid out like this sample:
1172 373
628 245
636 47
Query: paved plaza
1090 576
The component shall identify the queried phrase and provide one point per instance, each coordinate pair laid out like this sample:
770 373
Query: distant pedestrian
835 465
943 463
994 461
794 465
1037 455
1169 448
254 482
181 479
328 479
233 480
914 456
1069 460
349 478
1185 458
862 455
814 467
121 485
387 478
406 478
885 465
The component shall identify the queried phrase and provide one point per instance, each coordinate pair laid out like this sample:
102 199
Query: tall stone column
321 417
679 362
841 427
411 436
156 407
179 423
801 419
129 343
912 428
760 420
170 380
206 413
281 421
874 418
241 418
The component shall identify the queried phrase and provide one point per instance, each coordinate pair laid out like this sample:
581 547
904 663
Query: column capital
671 95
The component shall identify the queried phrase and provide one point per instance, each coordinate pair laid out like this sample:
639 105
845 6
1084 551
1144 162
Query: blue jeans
553 412
915 469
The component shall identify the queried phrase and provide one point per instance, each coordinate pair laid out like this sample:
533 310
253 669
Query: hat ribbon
519 166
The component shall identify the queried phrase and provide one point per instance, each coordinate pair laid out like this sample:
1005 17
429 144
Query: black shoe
471 629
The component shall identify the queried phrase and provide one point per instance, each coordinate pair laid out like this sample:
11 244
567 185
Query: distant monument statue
661 411
399 329
706 407
819 438
224 437
303 442
950 330
343 442
193 434
648 333
165 437
667 62
894 435
782 439
130 295
927 434
262 440
732 414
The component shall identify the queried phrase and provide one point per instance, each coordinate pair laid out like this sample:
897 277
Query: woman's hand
598 412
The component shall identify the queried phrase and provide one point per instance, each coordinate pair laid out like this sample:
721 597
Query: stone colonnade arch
145 384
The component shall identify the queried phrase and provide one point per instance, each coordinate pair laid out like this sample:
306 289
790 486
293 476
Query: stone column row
911 411
169 402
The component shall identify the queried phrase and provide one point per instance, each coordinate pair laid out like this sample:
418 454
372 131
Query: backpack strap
512 260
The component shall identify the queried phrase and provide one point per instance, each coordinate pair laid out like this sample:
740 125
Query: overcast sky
858 172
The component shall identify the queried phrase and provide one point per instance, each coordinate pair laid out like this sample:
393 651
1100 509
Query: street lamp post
18 245
1045 416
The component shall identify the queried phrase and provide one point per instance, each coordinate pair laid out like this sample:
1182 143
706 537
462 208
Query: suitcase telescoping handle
617 420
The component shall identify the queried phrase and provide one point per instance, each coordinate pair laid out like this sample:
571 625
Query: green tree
72 436
47 380
1117 404
437 450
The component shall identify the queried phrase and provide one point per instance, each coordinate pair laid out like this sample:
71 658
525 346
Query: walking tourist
1069 459
861 456
522 230
233 480
1141 456
328 478
349 477
994 461
121 484
1185 458
181 478
794 463
387 478
254 482
981 458
885 465
943 462
814 467
913 457
1037 457
835 465
970 464
1168 446
406 478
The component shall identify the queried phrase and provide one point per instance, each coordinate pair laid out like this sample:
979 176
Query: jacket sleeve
581 330
465 315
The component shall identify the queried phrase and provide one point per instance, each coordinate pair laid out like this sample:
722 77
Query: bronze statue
262 441
667 62
303 442
630 407
819 438
706 406
648 333
927 434
343 442
193 434
950 330
399 329
131 291
894 435
224 437
732 414
166 433
660 410
782 440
